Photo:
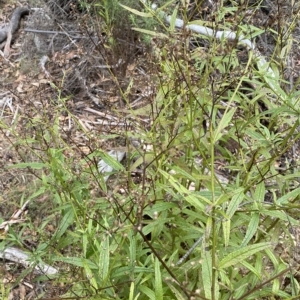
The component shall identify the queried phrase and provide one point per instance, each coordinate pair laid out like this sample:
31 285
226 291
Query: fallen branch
8 31
19 256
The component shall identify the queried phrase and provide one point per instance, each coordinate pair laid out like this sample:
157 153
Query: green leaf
84 243
252 269
89 274
197 22
148 292
77 261
289 196
111 160
104 258
173 19
40 191
137 12
132 247
226 225
280 214
192 198
207 273
259 265
120 271
147 158
131 293
260 191
252 229
32 165
177 294
239 255
275 286
234 204
66 221
273 258
153 33
223 124
158 282
179 172
226 196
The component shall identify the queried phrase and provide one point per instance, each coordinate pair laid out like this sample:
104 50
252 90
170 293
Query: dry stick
8 41
5 59
21 257
55 32
8 31
18 255
257 288
42 63
183 258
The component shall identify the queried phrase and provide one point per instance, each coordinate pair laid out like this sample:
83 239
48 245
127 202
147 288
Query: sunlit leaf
150 32
207 273
32 165
236 256
137 12
77 261
252 229
226 231
234 204
252 269
193 198
290 196
158 281
66 221
147 291
260 191
89 274
104 258
223 123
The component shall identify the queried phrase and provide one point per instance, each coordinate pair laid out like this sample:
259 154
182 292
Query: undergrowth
214 197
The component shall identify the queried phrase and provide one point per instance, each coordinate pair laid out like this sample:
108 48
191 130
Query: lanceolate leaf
77 261
150 32
32 165
223 123
89 275
239 255
66 221
158 282
252 229
176 293
136 12
226 224
252 269
194 199
234 204
173 19
260 192
104 258
207 273
289 196
148 292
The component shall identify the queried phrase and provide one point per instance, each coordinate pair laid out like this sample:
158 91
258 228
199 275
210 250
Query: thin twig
56 32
